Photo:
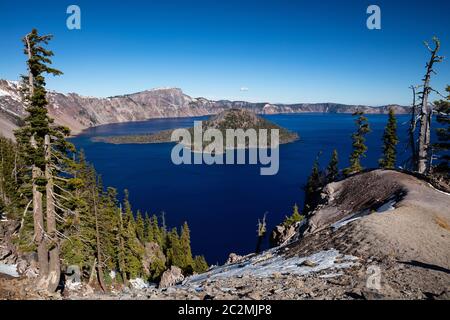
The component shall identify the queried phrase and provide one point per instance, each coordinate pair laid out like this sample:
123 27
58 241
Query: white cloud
244 89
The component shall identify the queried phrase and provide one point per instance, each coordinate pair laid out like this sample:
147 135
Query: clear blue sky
282 51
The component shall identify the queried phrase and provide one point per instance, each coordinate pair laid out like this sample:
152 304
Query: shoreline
77 133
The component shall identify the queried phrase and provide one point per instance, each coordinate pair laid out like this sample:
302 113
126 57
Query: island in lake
230 119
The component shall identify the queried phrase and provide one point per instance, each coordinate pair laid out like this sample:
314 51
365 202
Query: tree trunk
99 252
38 218
122 249
412 130
424 145
424 137
91 275
53 241
2 180
30 75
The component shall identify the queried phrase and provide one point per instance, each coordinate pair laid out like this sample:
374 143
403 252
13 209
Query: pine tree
10 180
44 148
157 233
333 169
133 250
313 184
78 246
174 253
121 254
390 141
185 243
109 230
140 227
359 147
148 229
313 177
294 217
200 264
442 110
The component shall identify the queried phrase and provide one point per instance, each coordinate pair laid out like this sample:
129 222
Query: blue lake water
222 203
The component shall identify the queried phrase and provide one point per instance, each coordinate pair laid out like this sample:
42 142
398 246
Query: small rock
171 277
233 258
308 263
254 295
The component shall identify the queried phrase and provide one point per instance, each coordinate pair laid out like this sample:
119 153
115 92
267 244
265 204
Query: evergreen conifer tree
359 147
140 227
185 243
333 169
442 146
390 141
200 264
44 148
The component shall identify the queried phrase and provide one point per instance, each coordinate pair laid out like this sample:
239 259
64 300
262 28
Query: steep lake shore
213 198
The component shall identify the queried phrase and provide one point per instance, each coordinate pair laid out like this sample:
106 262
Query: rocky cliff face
80 112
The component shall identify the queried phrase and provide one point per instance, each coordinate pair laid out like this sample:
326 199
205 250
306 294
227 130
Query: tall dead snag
262 229
424 152
412 128
53 241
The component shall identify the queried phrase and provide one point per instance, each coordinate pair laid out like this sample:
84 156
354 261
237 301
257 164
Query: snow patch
440 191
9 269
343 222
163 88
139 284
4 93
388 206
268 264
73 285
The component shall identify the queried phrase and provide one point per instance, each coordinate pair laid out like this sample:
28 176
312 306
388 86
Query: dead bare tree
424 153
412 127
262 229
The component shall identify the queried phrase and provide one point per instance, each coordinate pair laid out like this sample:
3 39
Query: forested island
233 119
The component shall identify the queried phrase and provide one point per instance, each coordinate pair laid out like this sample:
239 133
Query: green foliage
38 124
174 250
140 227
200 264
158 233
314 177
333 169
390 141
313 185
185 244
359 147
442 110
148 229
294 217
156 269
11 165
133 249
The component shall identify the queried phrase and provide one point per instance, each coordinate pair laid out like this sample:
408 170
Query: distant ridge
78 112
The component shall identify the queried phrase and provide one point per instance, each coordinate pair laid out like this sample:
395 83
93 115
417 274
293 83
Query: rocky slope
80 112
376 235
